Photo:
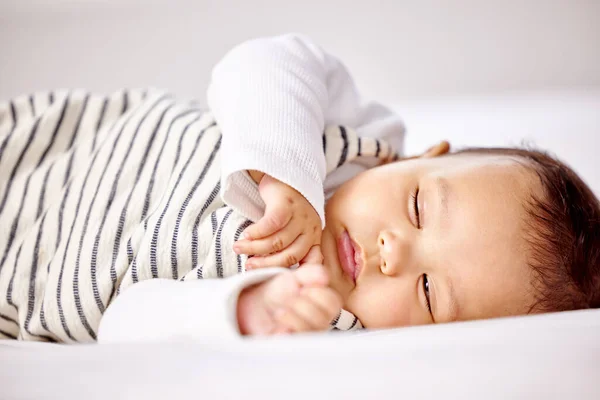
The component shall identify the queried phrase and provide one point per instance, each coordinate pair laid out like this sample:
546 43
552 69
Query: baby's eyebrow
444 192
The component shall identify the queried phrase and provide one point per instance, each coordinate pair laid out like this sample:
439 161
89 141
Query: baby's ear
439 149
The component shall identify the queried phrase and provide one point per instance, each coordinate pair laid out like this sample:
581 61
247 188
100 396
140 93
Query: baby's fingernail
237 249
249 266
246 236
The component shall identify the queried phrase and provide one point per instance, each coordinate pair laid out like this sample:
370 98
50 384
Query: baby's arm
272 98
264 302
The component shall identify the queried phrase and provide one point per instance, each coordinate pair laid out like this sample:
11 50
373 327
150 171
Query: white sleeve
272 98
168 310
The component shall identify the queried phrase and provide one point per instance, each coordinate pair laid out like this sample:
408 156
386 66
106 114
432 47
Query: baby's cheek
382 307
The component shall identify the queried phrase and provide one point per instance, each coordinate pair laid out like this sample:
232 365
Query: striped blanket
100 192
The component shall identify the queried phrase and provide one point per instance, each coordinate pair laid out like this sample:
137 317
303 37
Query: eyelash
415 203
426 291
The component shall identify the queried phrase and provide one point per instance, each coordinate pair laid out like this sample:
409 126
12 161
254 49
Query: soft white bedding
538 357
548 356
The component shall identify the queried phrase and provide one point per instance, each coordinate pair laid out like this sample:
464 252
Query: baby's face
462 248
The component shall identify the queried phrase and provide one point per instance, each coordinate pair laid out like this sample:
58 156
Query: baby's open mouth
349 255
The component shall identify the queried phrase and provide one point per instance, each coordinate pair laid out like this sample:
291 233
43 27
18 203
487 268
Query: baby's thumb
314 256
267 186
277 213
275 218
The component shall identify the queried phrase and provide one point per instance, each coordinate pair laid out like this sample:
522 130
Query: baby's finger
290 320
314 256
325 298
282 330
283 287
271 244
312 314
311 275
286 258
275 218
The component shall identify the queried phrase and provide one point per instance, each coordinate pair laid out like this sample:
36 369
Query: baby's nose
394 251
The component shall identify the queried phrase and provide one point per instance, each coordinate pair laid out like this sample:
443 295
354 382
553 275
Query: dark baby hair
563 233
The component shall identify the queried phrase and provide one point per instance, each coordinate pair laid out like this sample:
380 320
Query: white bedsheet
553 356
534 357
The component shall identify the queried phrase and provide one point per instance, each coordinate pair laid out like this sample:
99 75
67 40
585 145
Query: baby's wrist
256 175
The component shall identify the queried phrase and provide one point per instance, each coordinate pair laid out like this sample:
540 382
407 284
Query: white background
397 49
476 72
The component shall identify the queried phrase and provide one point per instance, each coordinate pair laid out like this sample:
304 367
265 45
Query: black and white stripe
160 153
344 154
195 237
219 248
157 227
13 124
15 168
186 202
123 216
98 193
238 232
15 224
84 321
111 198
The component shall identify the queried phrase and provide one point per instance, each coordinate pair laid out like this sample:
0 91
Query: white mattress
553 356
548 356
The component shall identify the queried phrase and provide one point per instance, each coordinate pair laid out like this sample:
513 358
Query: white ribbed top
272 98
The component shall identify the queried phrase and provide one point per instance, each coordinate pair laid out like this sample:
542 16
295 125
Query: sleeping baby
286 208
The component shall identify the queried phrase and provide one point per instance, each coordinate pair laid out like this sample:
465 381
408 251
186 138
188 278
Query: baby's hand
293 301
288 233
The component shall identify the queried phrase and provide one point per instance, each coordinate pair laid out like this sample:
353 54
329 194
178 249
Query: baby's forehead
490 179
475 163
486 157
511 167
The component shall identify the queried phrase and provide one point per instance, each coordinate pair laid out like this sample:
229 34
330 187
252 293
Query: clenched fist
291 302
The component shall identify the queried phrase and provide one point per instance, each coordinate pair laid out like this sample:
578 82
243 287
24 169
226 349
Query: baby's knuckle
315 238
255 262
277 220
291 259
277 244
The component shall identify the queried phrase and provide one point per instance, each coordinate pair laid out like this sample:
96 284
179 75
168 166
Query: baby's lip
346 252
359 259
350 256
